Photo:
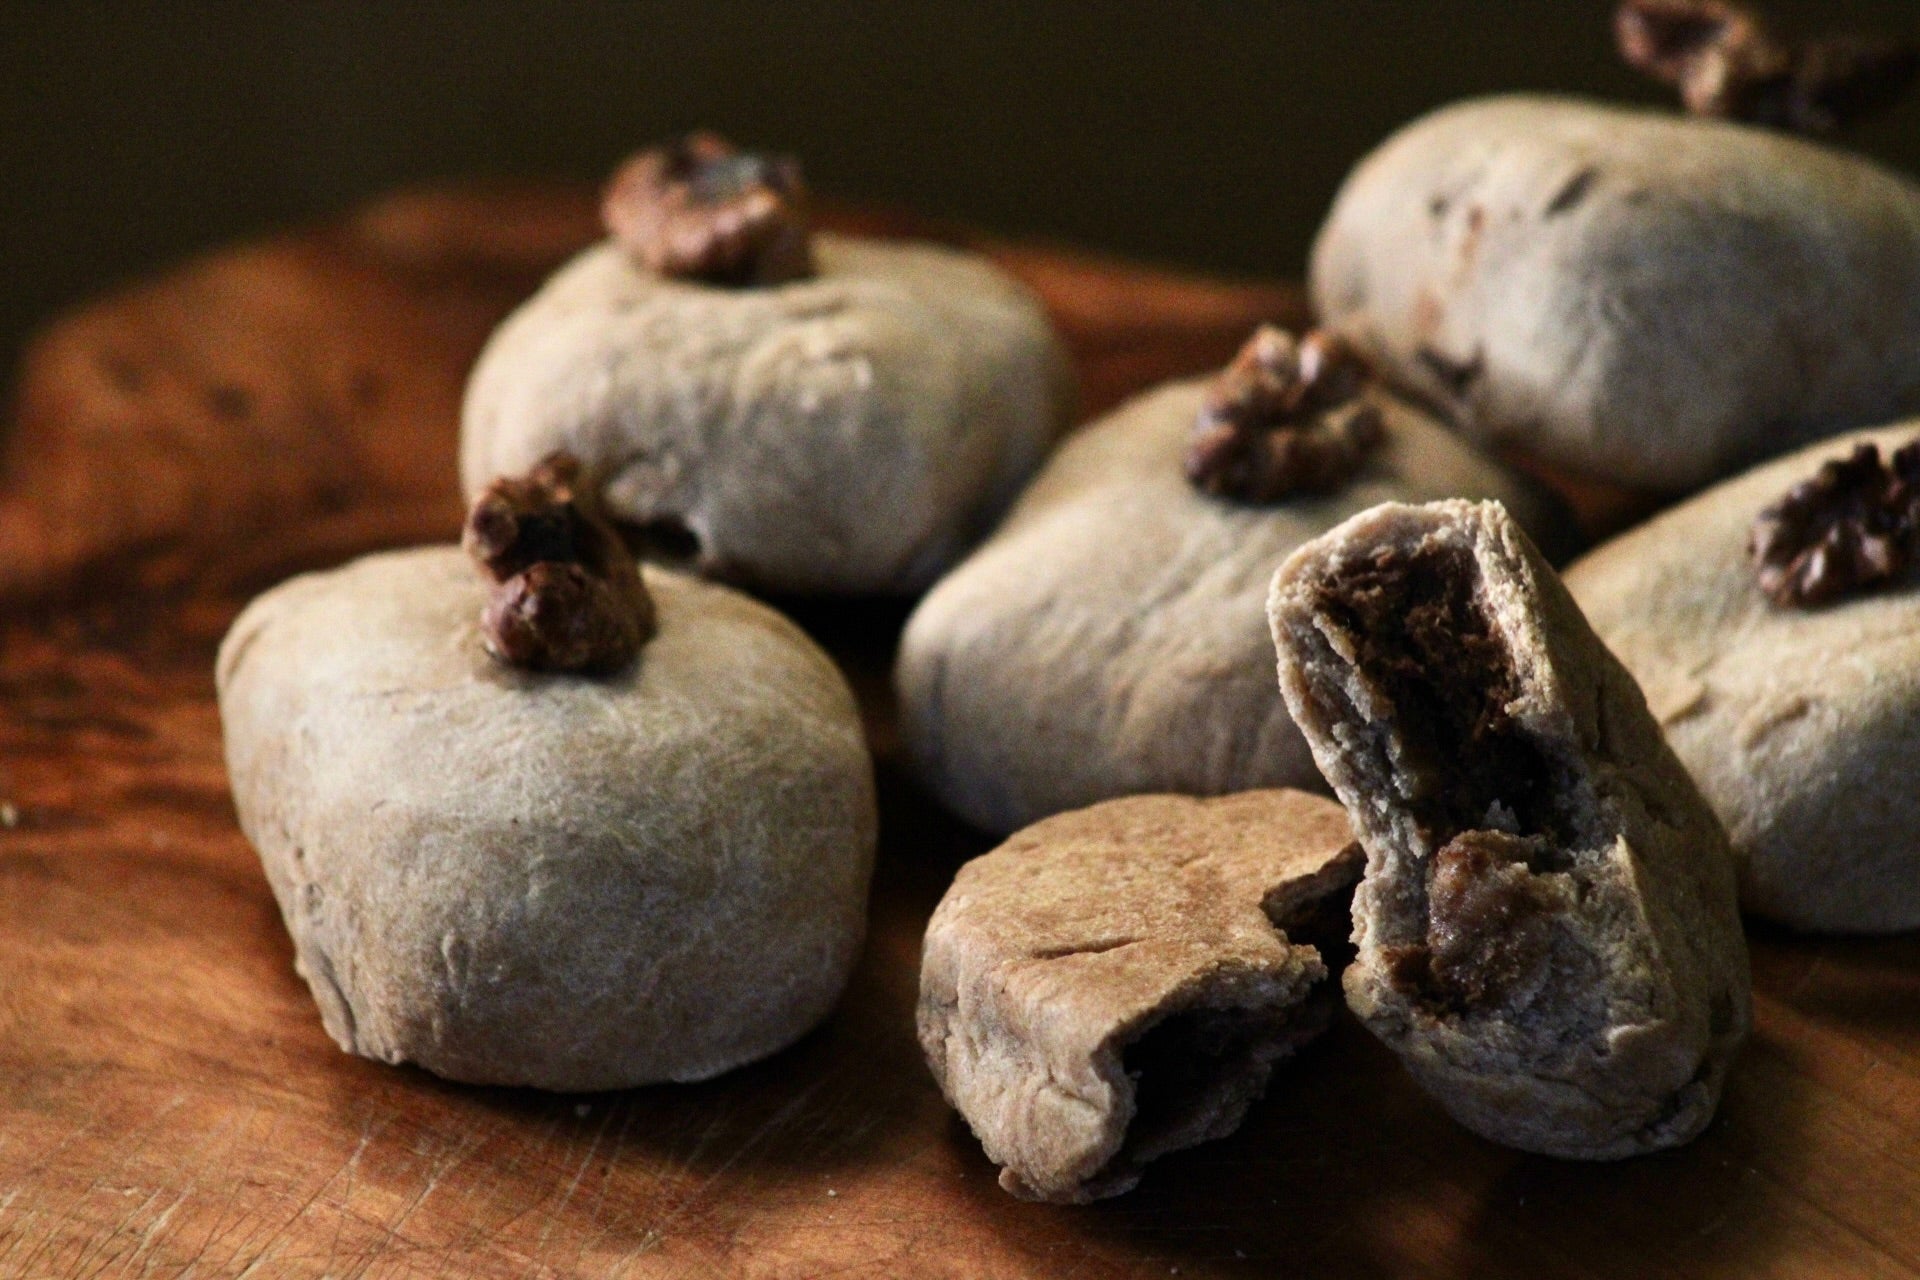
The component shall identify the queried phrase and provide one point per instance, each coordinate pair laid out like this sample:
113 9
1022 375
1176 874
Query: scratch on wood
351 1168
26 1223
761 1133
281 1233
140 1138
573 1185
222 1226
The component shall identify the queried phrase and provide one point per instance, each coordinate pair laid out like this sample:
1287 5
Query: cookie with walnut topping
1779 645
513 859
1110 638
1547 933
791 410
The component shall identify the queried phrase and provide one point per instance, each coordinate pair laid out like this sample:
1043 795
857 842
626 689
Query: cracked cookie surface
1116 983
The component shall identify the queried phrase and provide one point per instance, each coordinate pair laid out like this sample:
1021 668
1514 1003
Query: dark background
1210 134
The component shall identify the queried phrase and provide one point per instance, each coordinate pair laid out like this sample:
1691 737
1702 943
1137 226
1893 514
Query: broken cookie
1547 930
1117 983
789 409
1774 621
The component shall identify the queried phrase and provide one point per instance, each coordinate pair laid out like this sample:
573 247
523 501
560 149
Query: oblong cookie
1111 637
853 431
1547 930
1116 983
1802 726
549 880
1648 299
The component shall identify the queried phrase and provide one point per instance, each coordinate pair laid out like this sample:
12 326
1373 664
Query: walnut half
1729 63
700 209
1284 417
1852 527
568 595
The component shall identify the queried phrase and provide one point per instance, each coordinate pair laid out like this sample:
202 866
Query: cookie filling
1474 930
1428 648
1196 1071
1489 933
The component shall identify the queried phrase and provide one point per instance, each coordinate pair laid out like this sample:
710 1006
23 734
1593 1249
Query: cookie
1642 298
565 881
850 427
1117 983
1111 637
1801 724
1547 933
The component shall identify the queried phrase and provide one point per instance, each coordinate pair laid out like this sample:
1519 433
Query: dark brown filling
1488 924
1195 1072
1483 791
1429 648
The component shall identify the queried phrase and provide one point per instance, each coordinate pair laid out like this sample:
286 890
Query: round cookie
1111 637
1802 726
853 431
549 880
1639 297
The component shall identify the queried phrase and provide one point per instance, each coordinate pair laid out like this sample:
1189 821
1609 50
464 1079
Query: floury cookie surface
1111 638
851 431
1117 983
551 880
1801 724
1644 298
1547 933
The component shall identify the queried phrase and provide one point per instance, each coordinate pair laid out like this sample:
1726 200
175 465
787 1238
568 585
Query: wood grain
170 1106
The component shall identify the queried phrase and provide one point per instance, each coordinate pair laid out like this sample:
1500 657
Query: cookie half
1547 933
1116 983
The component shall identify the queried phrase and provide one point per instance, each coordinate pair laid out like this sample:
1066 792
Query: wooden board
170 1106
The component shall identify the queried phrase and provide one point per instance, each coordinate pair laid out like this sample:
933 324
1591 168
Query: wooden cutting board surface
169 1105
